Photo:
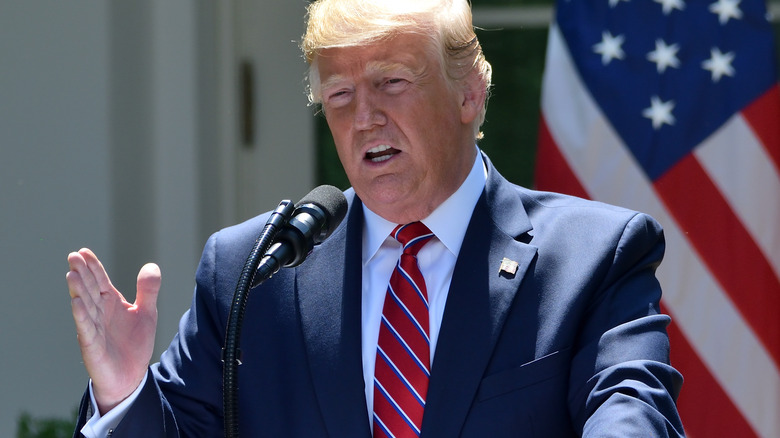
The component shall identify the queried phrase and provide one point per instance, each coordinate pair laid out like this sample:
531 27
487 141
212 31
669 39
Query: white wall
118 132
54 165
283 121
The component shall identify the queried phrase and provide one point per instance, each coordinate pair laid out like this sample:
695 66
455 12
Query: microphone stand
231 352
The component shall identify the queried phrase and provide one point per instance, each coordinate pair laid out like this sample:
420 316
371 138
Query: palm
116 337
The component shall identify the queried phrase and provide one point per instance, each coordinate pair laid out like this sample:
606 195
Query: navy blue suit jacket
572 344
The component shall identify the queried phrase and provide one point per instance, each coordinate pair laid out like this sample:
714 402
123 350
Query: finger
78 290
78 263
98 271
87 334
72 277
85 327
148 287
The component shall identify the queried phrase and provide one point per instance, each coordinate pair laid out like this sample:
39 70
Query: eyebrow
372 67
331 81
384 66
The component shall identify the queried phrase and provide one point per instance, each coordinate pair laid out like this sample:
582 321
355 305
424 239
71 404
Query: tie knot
412 236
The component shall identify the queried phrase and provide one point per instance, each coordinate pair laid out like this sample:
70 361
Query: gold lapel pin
508 266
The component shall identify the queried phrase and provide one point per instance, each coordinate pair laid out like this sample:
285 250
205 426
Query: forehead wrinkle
375 67
381 67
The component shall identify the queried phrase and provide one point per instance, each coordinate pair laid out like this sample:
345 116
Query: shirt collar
450 232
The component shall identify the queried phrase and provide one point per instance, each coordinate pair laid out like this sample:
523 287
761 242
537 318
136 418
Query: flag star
664 55
726 10
719 64
613 3
610 47
670 5
659 112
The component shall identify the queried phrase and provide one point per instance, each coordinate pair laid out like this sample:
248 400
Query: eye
396 81
338 97
395 85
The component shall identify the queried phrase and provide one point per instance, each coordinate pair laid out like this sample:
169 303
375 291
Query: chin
389 207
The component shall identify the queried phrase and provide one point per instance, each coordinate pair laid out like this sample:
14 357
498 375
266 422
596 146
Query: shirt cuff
100 426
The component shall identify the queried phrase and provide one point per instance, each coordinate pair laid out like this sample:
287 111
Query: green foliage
512 121
329 170
29 427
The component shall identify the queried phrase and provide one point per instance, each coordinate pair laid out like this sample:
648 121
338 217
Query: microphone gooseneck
291 232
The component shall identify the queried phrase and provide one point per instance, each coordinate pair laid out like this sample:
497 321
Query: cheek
339 139
338 127
437 130
345 157
332 119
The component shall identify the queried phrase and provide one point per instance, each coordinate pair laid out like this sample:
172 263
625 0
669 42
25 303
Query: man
541 311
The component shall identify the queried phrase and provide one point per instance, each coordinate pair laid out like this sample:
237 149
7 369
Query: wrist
106 399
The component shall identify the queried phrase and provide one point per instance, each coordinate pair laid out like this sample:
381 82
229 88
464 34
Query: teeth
378 149
376 154
380 159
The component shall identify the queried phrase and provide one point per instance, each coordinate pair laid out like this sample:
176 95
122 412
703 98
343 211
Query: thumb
148 287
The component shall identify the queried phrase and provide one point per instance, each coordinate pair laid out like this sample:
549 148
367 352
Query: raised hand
116 337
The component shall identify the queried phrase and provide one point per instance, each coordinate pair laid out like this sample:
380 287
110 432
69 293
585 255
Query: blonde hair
350 23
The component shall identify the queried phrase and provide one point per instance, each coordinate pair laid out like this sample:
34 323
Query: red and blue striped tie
403 352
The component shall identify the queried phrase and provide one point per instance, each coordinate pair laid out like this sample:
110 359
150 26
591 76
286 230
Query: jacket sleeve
149 415
622 383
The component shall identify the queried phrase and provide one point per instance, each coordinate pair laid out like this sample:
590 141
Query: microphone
316 216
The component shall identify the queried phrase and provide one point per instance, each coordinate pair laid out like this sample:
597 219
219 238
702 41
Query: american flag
672 107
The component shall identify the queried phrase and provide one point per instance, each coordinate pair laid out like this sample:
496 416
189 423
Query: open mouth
381 153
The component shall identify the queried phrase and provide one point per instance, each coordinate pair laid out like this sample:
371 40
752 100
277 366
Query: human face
404 137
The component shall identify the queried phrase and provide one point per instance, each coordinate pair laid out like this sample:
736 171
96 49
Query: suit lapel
479 298
328 293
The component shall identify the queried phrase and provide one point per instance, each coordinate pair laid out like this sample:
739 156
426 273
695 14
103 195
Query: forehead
407 51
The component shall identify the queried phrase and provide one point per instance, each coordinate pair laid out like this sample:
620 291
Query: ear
472 98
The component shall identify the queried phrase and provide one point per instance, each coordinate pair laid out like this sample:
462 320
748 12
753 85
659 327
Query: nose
368 111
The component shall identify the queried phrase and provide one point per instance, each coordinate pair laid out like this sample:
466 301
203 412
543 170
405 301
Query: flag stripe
719 334
718 417
763 115
747 179
598 158
725 246
552 171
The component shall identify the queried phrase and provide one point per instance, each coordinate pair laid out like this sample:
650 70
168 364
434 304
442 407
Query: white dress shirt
436 261
380 254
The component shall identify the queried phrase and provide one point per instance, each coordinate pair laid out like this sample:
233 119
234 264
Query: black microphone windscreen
331 200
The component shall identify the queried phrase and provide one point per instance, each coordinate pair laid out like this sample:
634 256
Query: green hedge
29 427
